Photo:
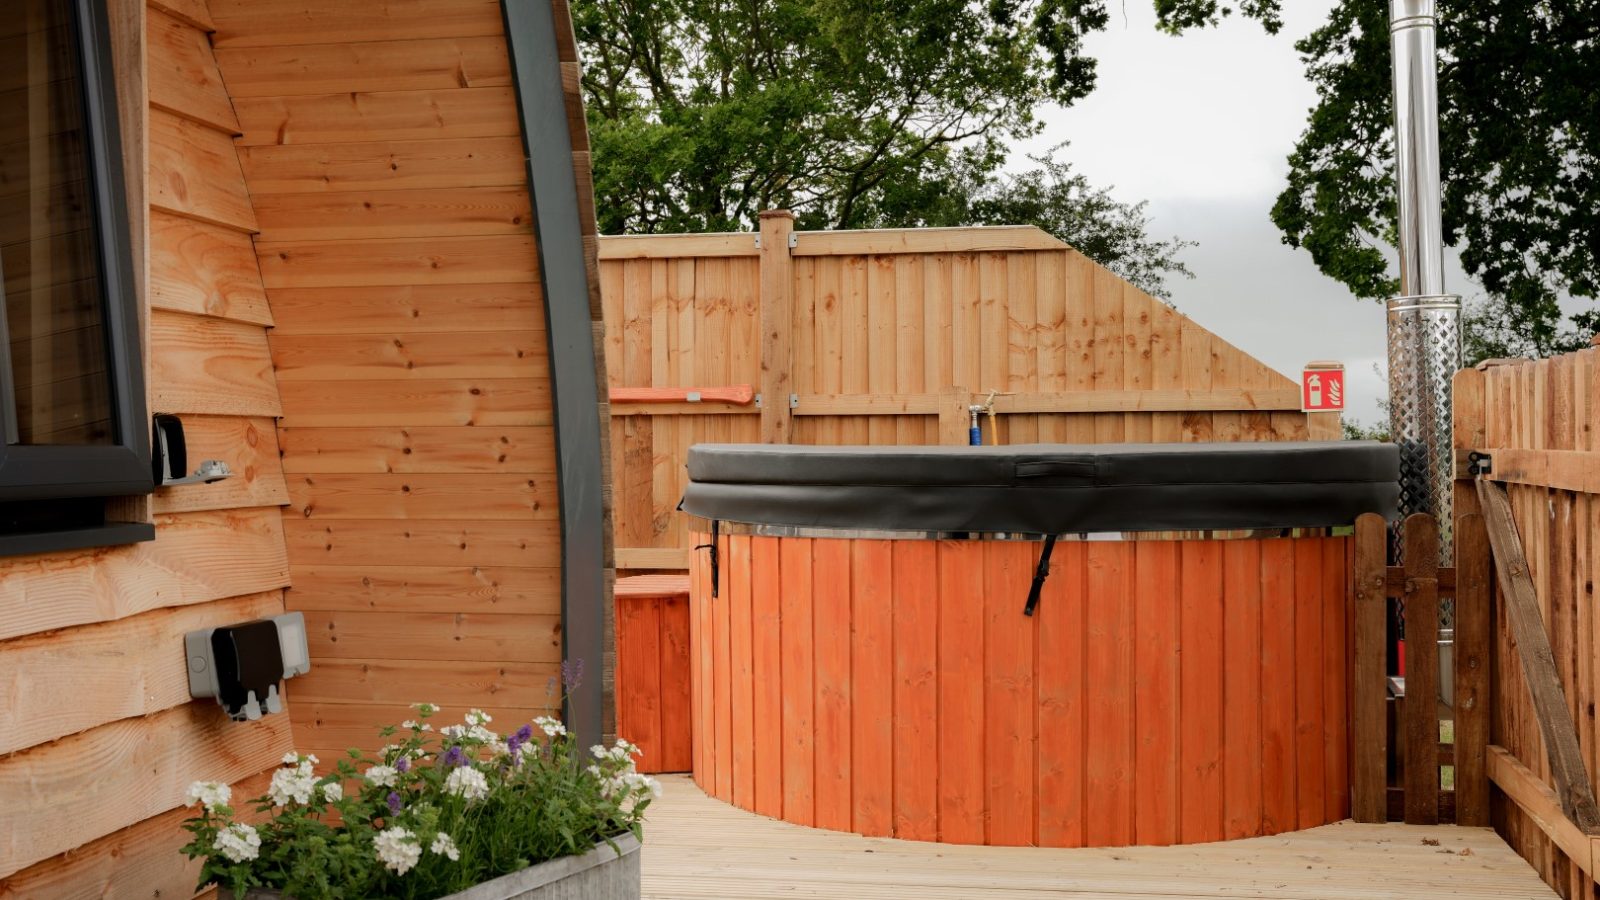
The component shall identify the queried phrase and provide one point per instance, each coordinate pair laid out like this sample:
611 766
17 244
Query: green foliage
1354 430
434 814
1519 149
852 113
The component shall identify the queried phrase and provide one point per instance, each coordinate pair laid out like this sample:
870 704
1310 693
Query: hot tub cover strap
1045 488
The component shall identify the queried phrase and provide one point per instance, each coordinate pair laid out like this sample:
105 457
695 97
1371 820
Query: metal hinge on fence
758 401
1479 463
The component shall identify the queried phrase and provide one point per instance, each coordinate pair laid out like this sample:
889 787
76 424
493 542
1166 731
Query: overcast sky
1200 126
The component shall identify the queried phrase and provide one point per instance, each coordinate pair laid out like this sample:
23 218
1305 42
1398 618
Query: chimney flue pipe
1424 321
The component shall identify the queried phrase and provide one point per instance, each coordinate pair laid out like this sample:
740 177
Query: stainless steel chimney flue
1424 321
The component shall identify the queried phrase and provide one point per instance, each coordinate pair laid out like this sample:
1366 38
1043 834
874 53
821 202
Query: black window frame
44 473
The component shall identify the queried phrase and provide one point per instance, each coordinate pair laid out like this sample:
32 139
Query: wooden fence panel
1537 426
858 338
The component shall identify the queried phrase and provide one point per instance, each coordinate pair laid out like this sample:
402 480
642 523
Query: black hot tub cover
1046 488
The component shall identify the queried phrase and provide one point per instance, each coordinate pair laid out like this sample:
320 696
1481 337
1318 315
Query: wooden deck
697 847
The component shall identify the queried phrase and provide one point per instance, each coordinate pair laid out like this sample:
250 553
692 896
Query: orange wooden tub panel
1163 692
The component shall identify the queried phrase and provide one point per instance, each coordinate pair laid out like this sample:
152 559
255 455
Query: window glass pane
54 312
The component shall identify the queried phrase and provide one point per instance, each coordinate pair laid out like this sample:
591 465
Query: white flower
551 727
210 794
478 717
239 843
454 732
397 849
291 758
426 709
466 782
381 776
445 846
498 749
480 733
333 792
294 784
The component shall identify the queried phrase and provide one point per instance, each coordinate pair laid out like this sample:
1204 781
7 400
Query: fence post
1368 687
1473 629
1421 725
777 295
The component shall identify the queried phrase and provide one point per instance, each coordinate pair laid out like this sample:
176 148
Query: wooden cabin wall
98 736
383 152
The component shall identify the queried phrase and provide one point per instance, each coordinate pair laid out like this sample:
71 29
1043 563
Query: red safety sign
1322 387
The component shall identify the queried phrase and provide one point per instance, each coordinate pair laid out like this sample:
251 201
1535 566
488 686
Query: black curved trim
557 224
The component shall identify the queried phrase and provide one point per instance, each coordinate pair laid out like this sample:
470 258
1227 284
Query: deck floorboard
697 847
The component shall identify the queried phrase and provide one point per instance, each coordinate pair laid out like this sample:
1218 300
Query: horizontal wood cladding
445 636
404 309
141 768
113 670
339 725
250 448
446 682
183 73
195 558
139 862
204 365
194 172
205 269
384 165
450 589
377 116
407 449
507 259
405 65
421 356
389 213
257 23
463 497
381 542
456 401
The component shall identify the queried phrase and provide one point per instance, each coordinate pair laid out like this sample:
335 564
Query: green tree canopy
1519 89
853 113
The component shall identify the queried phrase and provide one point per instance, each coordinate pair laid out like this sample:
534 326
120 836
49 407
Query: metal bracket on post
794 401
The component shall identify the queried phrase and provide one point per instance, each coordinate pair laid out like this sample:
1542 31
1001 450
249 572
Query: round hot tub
1033 645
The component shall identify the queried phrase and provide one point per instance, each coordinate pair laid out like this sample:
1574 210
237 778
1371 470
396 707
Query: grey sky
1200 126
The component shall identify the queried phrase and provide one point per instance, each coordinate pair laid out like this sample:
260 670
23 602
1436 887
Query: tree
852 113
1519 153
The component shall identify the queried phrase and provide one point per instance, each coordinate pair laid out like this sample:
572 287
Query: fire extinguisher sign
1322 387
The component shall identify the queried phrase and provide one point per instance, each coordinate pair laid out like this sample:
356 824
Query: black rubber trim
564 282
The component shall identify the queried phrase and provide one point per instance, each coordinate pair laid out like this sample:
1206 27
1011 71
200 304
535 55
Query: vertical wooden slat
961 716
1061 685
1308 616
796 643
1008 700
830 579
916 689
741 670
1368 691
766 661
676 738
722 673
1241 695
1278 662
1157 612
699 596
638 675
1109 732
872 597
1421 727
1335 682
1473 691
1200 693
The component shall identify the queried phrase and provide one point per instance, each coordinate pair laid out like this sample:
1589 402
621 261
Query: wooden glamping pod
349 246
883 641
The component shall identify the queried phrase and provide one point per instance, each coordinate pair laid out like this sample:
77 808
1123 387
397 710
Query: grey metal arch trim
557 224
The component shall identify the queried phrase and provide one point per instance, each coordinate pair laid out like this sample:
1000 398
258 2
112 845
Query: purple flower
523 735
403 764
394 803
571 673
455 757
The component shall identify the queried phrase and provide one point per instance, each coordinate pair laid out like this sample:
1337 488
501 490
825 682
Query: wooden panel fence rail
1398 751
1531 427
886 337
